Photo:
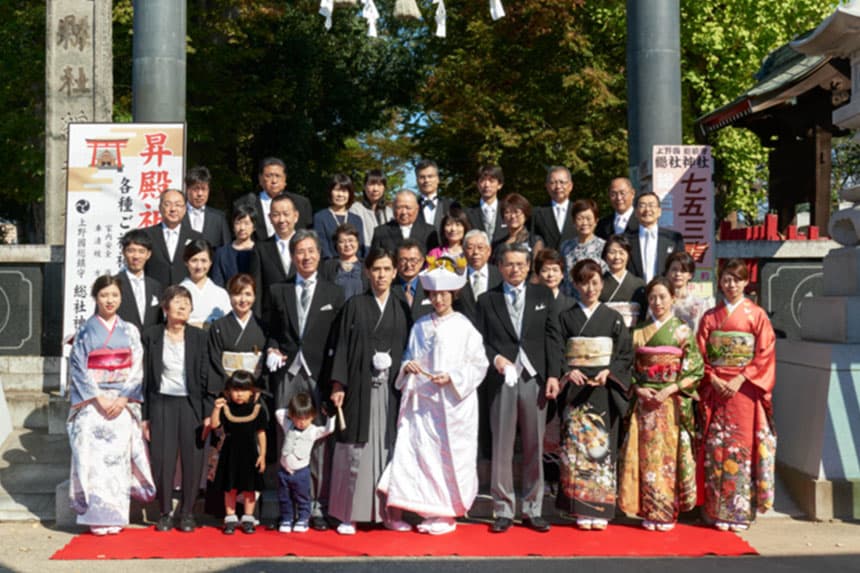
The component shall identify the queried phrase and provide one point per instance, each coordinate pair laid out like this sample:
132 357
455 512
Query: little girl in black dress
243 455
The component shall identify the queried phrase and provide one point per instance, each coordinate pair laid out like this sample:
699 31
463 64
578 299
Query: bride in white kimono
110 463
434 468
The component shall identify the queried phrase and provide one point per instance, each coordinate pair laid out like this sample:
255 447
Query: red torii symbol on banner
106 145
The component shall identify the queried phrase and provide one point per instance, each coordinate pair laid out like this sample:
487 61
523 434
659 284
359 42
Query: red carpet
470 540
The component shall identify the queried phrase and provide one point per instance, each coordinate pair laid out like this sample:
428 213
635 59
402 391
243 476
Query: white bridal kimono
434 468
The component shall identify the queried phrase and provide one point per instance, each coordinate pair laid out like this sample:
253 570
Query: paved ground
785 544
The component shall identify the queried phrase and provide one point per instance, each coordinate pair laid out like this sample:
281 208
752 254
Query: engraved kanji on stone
73 33
71 84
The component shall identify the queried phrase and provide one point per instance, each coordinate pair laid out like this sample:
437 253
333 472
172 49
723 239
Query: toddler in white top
294 475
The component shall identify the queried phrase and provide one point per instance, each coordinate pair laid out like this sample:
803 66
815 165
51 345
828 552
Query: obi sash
588 351
660 364
730 348
629 311
109 359
232 361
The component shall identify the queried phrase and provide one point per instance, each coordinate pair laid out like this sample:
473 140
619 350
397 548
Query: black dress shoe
165 523
230 527
538 524
319 523
186 524
501 525
248 526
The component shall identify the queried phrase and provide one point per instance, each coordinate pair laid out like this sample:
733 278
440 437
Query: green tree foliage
266 79
542 86
22 113
723 45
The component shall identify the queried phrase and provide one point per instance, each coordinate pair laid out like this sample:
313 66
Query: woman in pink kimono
738 449
109 458
434 468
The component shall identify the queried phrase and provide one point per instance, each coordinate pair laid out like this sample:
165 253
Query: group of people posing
375 352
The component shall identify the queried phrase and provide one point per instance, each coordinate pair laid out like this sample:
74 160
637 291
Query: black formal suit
476 221
443 205
544 225
420 303
283 318
389 236
606 226
521 406
128 310
466 303
216 229
268 269
303 205
668 242
176 421
159 265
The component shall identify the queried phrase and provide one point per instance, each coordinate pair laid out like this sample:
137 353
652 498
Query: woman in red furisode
738 443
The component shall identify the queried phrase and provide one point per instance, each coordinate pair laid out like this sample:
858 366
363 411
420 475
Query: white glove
511 375
275 361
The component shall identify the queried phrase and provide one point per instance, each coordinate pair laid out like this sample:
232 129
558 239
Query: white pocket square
154 301
425 301
326 307
540 307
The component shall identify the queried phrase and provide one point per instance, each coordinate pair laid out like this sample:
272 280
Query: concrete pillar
78 88
158 68
653 78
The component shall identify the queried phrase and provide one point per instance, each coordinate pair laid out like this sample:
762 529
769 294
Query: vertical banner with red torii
682 176
116 172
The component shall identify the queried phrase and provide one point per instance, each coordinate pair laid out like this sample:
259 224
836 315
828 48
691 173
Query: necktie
286 260
476 285
489 223
197 220
172 240
648 257
305 302
517 307
407 290
139 297
559 217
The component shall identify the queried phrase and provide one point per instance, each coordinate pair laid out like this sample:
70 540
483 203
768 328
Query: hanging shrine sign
682 176
116 172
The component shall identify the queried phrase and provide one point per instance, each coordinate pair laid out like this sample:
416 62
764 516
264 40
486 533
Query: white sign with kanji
116 172
682 177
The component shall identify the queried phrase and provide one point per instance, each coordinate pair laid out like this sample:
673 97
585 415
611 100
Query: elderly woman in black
177 404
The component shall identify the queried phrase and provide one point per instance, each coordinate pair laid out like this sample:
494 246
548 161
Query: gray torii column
158 68
653 78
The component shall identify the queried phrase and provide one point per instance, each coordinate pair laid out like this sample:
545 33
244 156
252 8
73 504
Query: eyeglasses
618 194
411 260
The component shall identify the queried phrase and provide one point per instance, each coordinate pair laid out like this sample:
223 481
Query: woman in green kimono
657 469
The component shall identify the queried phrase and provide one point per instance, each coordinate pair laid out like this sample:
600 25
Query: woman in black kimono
236 341
622 290
374 328
598 353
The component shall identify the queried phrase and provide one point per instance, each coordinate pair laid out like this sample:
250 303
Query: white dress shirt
138 287
648 250
196 217
266 202
171 239
559 210
621 220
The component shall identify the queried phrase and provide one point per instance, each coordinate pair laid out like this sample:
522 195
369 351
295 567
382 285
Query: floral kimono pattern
657 468
737 456
110 462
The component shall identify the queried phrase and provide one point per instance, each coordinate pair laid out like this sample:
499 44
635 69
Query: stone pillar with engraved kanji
79 88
